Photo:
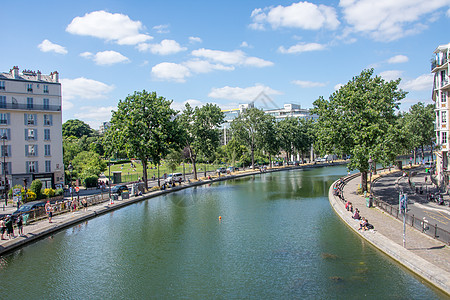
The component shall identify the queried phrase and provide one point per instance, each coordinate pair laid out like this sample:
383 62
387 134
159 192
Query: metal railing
419 224
21 106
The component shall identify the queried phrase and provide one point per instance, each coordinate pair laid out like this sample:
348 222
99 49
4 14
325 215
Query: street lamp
70 167
109 177
4 138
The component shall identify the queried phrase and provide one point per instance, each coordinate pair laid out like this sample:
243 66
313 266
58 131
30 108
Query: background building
441 89
31 127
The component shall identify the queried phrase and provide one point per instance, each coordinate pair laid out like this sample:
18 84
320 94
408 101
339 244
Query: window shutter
25 119
37 166
35 119
26 151
7 119
8 133
51 120
26 134
9 150
27 166
35 135
35 150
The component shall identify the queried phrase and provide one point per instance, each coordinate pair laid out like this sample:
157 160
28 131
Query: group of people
7 226
356 215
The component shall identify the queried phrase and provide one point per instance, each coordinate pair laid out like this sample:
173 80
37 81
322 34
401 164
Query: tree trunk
144 173
270 161
415 155
364 181
253 156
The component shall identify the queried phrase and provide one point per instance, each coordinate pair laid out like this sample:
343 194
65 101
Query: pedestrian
77 190
426 178
20 224
2 227
49 211
84 202
9 227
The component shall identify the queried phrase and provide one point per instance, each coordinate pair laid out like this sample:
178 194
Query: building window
7 169
30 87
6 151
29 103
2 101
444 137
45 89
7 132
47 150
444 117
443 97
4 118
32 166
47 134
46 104
30 134
48 120
30 150
30 119
48 166
2 85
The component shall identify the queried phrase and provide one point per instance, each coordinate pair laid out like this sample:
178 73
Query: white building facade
441 91
31 128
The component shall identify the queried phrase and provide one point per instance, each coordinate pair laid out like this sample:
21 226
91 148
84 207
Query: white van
174 177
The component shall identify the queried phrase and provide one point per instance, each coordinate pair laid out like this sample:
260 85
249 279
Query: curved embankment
423 268
41 229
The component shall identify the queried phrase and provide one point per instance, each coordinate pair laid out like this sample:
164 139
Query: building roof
28 75
442 48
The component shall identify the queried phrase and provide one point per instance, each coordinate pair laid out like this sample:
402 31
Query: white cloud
166 47
84 88
302 47
338 86
391 75
118 28
236 57
448 13
47 46
162 28
93 115
241 94
387 20
194 39
181 105
171 72
244 44
303 15
308 84
105 57
422 83
398 59
203 66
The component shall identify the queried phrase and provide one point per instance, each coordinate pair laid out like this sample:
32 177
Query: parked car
232 169
118 189
221 170
29 206
174 177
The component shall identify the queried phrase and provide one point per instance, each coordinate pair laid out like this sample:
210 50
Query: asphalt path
388 187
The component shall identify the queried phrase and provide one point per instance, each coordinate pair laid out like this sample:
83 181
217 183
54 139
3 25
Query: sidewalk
427 257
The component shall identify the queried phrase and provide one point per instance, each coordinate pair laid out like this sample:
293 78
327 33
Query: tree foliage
144 125
359 119
87 164
200 131
76 128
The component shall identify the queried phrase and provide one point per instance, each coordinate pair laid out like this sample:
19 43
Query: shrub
17 186
90 181
31 196
59 192
49 193
36 187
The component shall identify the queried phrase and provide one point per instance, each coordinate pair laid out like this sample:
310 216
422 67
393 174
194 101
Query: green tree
270 143
248 129
76 128
200 131
359 119
144 125
418 124
36 187
234 150
87 164
173 159
71 148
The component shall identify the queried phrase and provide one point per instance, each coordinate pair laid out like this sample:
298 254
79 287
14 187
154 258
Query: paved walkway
425 256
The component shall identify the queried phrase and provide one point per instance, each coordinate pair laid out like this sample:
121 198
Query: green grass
133 174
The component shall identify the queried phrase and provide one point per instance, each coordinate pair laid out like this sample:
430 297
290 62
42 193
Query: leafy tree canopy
76 128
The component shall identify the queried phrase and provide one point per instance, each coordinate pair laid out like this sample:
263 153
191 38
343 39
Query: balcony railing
436 64
34 107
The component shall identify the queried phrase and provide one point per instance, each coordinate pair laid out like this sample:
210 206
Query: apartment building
31 128
441 90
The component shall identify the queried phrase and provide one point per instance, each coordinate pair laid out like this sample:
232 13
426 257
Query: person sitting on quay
349 206
2 227
363 224
356 215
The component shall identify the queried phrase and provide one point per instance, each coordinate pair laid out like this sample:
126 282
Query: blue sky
224 52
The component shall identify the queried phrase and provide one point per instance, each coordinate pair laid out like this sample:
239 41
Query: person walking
49 211
2 227
20 224
9 227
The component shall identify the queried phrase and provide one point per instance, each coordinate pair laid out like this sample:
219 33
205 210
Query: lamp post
70 167
5 187
109 177
25 187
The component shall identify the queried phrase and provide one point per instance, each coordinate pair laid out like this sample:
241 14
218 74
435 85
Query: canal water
277 238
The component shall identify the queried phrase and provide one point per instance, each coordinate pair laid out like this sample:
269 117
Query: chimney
55 76
15 72
38 75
